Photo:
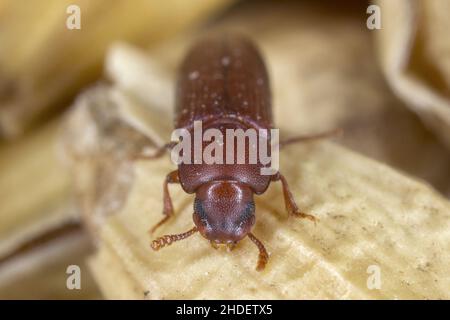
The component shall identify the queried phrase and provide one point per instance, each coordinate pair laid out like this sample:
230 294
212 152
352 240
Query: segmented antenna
167 240
263 255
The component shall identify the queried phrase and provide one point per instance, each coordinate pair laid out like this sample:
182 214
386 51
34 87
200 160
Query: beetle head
224 211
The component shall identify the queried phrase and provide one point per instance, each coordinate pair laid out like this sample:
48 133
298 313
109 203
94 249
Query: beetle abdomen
223 78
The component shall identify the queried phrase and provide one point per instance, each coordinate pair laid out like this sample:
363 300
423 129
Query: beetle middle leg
322 135
289 201
172 177
159 152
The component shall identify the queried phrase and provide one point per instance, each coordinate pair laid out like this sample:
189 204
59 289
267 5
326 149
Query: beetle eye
198 208
248 212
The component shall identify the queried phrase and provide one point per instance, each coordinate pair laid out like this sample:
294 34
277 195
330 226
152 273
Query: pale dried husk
43 63
40 234
370 214
413 48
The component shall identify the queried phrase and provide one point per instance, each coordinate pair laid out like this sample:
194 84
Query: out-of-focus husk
40 235
413 47
41 271
43 63
34 189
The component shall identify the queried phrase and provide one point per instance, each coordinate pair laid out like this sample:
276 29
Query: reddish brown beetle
223 82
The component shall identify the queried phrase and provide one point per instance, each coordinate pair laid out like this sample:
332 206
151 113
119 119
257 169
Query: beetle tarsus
303 215
289 201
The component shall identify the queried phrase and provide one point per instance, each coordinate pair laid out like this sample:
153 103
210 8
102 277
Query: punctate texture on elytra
223 85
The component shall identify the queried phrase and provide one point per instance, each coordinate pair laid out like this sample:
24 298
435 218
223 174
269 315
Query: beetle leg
322 135
289 201
159 152
172 177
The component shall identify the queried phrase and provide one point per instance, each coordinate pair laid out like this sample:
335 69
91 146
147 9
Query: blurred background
332 64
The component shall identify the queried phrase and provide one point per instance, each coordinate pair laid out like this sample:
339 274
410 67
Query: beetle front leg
172 177
289 201
159 152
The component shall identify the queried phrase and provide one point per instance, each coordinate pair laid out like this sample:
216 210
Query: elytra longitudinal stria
223 83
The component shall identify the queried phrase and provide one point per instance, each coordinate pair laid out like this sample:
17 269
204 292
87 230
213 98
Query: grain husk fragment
43 63
370 215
